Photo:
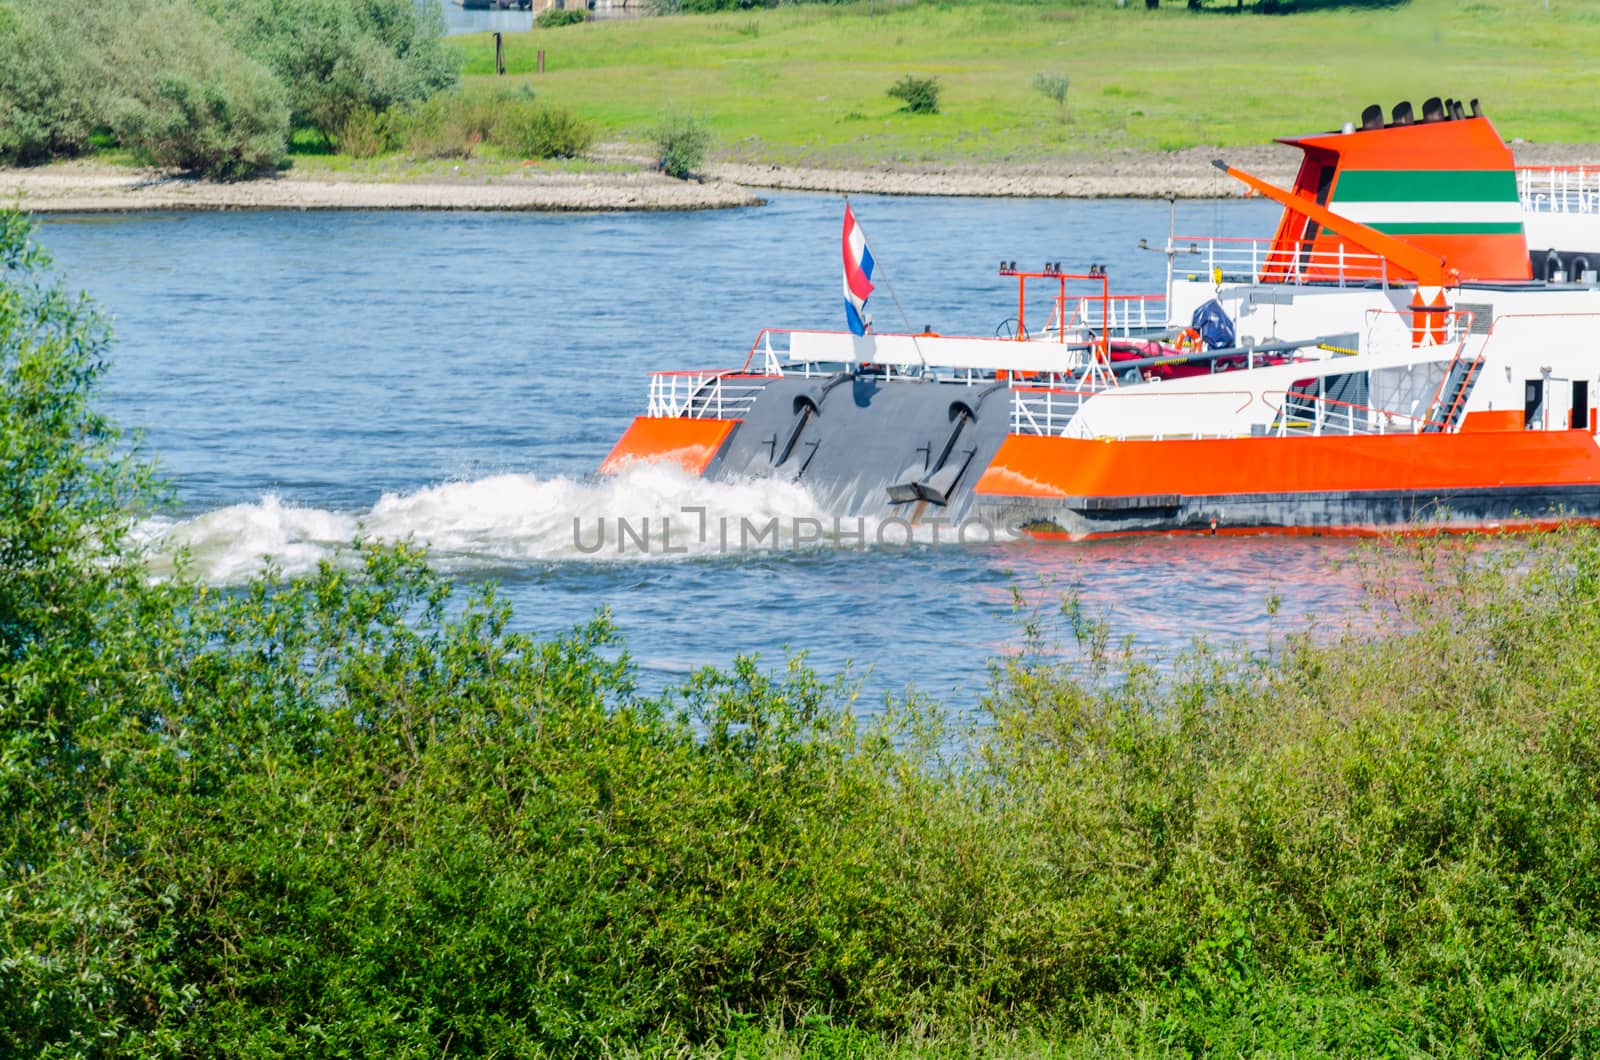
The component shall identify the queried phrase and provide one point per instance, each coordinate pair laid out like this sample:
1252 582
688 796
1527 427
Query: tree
337 58
49 99
183 98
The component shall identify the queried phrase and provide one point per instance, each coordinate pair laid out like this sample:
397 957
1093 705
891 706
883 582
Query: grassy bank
341 816
809 83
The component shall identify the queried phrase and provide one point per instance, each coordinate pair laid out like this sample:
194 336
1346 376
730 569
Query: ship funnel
1477 111
1372 118
1446 187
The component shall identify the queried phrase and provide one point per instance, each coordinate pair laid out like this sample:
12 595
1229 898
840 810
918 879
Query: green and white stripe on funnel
1442 202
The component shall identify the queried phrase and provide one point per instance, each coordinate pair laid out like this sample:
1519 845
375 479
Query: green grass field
808 83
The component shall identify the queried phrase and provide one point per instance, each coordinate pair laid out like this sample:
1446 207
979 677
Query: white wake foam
645 513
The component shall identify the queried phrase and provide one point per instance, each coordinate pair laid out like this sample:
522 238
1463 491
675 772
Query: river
456 377
458 19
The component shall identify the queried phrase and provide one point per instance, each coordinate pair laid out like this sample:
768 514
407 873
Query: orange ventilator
1429 314
1439 312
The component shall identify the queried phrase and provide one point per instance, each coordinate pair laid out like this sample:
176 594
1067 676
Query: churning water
455 378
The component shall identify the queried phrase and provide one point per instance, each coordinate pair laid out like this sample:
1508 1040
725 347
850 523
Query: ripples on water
455 377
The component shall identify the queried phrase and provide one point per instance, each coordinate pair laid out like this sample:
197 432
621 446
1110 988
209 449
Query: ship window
1313 229
1580 405
1325 184
1345 401
1533 404
1349 388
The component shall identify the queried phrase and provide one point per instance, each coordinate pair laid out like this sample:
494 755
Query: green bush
179 90
182 98
451 126
448 126
337 58
681 142
919 94
365 134
1054 87
529 130
50 99
556 17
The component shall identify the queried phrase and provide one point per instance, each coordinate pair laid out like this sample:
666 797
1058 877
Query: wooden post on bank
499 56
541 60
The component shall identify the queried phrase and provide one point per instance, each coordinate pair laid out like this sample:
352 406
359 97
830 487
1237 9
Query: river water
456 377
458 19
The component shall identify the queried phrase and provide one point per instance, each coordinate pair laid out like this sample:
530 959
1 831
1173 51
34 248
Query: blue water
457 376
459 20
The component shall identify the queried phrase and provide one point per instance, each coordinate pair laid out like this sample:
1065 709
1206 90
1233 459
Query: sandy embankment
86 187
82 187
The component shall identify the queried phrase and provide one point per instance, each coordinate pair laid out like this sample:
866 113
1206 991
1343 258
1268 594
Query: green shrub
365 134
182 98
1054 87
530 130
919 94
556 17
681 142
457 126
448 126
336 58
50 98
701 7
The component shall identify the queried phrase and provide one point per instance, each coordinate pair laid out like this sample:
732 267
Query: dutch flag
857 274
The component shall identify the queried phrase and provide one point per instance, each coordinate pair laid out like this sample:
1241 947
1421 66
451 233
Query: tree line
215 87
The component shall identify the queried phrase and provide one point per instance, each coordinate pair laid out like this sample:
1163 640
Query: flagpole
915 345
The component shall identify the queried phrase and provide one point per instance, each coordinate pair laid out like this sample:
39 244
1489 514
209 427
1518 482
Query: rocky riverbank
87 188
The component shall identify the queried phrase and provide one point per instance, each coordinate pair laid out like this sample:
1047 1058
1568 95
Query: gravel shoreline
81 187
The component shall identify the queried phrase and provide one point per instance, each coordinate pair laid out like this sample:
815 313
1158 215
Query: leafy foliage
459 126
556 17
211 86
1054 87
336 58
184 100
540 131
919 94
681 142
49 101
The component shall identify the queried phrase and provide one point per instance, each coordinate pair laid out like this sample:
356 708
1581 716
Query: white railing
824 369
1048 411
1559 189
712 395
765 358
1044 410
1123 316
1266 261
1311 415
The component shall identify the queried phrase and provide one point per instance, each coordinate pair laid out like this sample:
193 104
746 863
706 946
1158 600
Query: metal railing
1043 410
1048 411
708 395
1265 260
1121 315
1559 189
764 358
1310 415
